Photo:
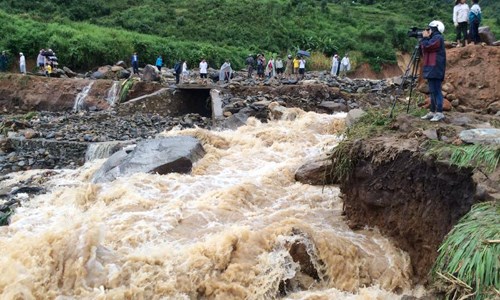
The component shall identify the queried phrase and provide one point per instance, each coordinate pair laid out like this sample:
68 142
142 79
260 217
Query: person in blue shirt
135 63
475 21
159 62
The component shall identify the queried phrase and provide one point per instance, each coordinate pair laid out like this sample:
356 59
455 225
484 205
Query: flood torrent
238 227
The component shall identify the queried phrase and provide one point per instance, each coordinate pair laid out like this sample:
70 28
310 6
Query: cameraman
432 45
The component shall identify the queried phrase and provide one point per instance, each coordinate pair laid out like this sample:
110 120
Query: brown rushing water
222 232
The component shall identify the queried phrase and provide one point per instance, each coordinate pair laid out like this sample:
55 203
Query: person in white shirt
185 72
22 63
40 60
460 19
345 65
279 67
203 71
302 67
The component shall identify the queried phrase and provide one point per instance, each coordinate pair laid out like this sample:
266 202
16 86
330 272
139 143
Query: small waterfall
80 98
113 93
104 149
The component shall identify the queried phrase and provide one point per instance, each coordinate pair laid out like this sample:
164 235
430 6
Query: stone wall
42 154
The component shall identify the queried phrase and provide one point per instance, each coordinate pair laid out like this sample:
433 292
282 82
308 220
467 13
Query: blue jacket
434 56
475 14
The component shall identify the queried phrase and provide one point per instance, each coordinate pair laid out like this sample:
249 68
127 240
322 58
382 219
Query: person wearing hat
250 62
22 63
434 65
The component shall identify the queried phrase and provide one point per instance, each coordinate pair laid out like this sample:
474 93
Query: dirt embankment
414 201
411 196
473 76
20 93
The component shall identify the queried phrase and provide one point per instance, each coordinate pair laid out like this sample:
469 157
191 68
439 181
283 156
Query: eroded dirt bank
396 184
414 201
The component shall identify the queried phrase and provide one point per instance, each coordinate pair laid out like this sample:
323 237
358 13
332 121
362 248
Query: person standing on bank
434 66
345 65
302 67
177 71
40 60
203 71
135 63
460 19
159 63
22 63
249 62
3 62
475 21
335 65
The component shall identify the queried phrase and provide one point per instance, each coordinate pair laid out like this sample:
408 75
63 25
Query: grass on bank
468 266
484 157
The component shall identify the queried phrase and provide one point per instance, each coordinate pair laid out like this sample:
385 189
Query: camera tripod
412 73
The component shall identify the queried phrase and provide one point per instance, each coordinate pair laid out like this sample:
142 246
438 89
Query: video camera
415 32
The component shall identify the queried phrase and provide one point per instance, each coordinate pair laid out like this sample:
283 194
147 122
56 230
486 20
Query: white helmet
438 24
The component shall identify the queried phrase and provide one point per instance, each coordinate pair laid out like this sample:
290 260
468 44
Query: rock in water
317 171
162 156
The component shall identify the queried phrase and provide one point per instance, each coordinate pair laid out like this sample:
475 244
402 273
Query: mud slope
414 201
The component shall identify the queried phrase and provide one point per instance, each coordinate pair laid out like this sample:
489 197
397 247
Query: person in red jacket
432 45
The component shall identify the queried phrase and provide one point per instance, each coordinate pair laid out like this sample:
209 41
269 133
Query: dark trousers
250 71
159 68
436 94
462 32
135 67
474 33
177 78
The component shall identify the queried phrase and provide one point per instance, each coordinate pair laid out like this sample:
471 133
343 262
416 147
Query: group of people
274 67
465 18
45 61
340 67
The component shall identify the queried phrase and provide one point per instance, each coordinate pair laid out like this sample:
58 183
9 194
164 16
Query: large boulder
162 156
353 115
488 136
150 73
486 35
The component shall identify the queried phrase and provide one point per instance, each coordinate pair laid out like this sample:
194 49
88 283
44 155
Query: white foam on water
81 96
226 231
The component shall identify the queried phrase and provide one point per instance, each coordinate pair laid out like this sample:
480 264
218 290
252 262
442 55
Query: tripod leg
414 75
412 65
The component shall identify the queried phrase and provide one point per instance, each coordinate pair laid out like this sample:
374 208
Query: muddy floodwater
238 227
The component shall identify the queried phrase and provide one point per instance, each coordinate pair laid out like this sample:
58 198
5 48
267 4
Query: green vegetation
4 217
126 86
484 157
468 264
89 33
